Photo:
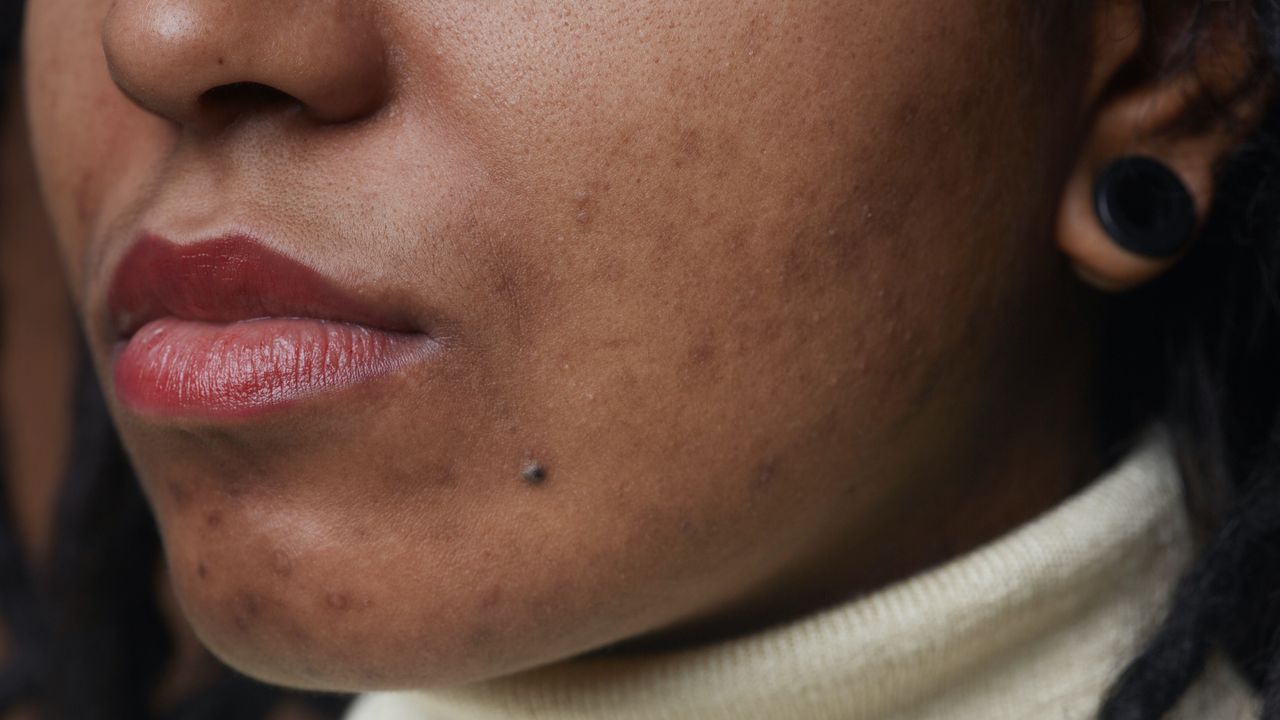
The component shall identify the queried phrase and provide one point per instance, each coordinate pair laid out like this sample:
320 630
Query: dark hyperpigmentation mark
281 563
246 610
534 473
202 570
492 597
337 601
213 519
178 493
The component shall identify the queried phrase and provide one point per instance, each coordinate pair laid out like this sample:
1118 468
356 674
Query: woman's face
584 320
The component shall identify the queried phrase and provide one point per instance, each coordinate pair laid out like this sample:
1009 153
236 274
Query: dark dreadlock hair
10 21
87 637
1198 349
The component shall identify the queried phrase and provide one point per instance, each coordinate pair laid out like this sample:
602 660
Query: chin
288 600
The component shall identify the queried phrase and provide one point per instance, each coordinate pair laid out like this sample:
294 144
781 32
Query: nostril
234 99
205 63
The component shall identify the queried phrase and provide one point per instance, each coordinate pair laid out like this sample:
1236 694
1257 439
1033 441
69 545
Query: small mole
202 570
534 474
222 60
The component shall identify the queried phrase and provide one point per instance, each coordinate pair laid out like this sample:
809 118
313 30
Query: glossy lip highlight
227 328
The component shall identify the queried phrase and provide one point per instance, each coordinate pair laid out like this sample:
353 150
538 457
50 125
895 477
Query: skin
37 365
776 295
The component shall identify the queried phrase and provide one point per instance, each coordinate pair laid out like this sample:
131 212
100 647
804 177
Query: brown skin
37 359
776 298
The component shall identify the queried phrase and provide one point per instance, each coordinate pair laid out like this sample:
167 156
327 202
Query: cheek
93 148
727 295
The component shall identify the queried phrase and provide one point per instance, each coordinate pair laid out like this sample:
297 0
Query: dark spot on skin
202 570
281 563
245 610
534 474
703 352
492 597
739 238
213 519
759 31
222 60
337 601
688 147
178 494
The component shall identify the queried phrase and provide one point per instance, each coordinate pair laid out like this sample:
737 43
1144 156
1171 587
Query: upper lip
227 279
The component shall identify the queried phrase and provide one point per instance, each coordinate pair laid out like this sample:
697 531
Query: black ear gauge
1144 206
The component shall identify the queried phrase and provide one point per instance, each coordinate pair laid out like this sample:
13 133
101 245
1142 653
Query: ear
1181 83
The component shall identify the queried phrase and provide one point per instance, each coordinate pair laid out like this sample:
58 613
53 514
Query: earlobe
1118 230
1128 224
1144 180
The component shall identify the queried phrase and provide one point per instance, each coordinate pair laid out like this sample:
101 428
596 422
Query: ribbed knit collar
1035 624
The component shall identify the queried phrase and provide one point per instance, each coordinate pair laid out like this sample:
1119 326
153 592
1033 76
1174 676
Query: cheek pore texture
730 296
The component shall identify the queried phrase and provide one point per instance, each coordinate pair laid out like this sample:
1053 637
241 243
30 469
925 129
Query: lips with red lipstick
228 328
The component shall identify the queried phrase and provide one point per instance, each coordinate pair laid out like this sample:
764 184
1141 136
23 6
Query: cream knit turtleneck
1033 625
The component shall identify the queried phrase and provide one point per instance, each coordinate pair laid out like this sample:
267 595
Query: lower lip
196 369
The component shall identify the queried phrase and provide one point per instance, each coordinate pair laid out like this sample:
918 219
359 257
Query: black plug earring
1144 207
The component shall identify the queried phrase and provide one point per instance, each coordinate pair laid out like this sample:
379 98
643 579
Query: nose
191 61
